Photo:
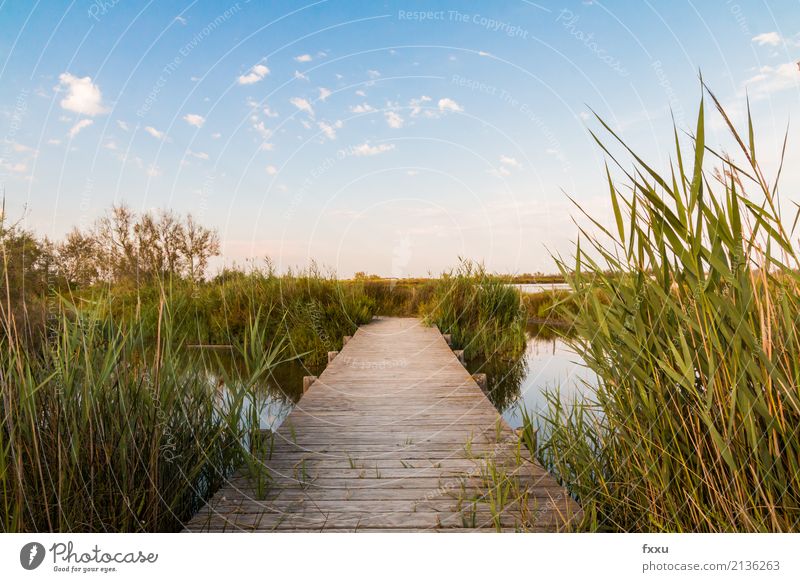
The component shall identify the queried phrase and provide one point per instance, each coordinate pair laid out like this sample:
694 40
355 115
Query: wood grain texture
394 435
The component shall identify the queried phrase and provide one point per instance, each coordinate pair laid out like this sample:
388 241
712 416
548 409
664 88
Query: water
548 364
540 287
278 394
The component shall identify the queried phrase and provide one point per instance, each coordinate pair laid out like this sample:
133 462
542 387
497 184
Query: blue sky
389 137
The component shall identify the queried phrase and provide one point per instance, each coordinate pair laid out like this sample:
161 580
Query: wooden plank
394 435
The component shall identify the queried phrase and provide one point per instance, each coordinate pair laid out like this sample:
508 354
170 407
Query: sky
388 137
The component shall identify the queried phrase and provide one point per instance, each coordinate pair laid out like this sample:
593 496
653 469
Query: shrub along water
694 424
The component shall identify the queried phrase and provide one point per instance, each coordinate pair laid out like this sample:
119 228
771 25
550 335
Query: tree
198 245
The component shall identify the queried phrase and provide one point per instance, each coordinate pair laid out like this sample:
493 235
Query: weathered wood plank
394 435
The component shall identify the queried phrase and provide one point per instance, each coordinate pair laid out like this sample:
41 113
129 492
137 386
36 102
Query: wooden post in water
307 382
482 381
331 356
460 355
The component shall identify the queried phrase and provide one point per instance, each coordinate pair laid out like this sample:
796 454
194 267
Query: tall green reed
694 424
107 427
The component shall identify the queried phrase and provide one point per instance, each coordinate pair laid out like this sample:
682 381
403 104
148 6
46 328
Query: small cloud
394 120
194 119
111 145
411 172
510 162
272 170
155 133
198 155
300 76
324 93
216 135
78 127
771 80
122 125
302 105
269 112
82 97
500 172
255 74
263 130
362 108
153 171
417 105
303 58
180 20
361 93
17 168
447 104
53 142
329 130
366 149
266 147
484 54
373 74
768 38
583 115
22 149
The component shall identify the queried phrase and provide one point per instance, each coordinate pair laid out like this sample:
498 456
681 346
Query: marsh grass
113 426
483 313
694 423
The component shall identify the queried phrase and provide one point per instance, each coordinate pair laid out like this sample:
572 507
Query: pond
548 364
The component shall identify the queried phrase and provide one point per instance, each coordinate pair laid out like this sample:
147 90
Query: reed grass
105 429
694 423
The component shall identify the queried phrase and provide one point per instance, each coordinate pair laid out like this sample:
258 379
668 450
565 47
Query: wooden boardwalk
394 435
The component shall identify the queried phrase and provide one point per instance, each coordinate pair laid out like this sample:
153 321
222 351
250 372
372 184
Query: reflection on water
278 394
548 365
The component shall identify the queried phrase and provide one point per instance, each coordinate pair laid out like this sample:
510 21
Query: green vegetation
482 313
106 429
694 424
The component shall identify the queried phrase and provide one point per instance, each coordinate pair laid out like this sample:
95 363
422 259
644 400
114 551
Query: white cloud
328 129
583 115
394 120
361 93
216 135
303 58
272 170
78 127
269 112
122 125
365 149
20 148
155 133
111 145
153 171
263 130
301 76
373 74
324 93
83 96
194 119
447 104
417 105
509 161
198 155
180 20
362 108
17 168
767 38
500 172
266 147
771 80
255 74
302 105
53 142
